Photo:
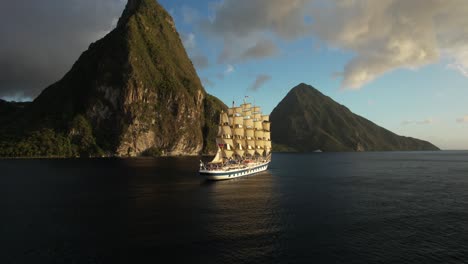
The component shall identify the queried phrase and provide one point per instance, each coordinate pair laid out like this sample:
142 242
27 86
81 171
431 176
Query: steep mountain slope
307 120
135 89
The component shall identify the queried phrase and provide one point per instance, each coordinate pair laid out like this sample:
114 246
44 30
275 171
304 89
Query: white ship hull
235 171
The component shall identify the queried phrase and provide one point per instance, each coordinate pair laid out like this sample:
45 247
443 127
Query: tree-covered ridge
46 142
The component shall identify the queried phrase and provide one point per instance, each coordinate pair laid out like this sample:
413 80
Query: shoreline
211 155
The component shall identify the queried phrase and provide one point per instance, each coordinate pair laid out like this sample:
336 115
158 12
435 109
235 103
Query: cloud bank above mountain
42 39
382 35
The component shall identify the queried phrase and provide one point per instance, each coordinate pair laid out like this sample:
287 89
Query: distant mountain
306 120
133 92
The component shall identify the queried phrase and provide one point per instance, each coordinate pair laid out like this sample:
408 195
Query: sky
401 64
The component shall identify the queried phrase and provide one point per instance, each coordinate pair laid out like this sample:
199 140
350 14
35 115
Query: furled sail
226 131
239 131
240 152
260 143
248 123
218 158
224 118
228 153
249 133
242 132
251 152
250 143
258 125
225 143
238 120
260 151
258 134
239 143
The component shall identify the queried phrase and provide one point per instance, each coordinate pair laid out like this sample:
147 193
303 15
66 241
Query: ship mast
243 133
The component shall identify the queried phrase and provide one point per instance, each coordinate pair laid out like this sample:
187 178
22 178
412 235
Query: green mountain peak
307 120
142 8
136 89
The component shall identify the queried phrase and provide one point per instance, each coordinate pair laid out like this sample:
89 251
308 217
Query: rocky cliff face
307 120
136 87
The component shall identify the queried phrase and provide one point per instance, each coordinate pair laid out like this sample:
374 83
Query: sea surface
393 207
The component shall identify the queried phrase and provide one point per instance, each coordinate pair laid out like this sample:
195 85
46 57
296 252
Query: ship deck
234 170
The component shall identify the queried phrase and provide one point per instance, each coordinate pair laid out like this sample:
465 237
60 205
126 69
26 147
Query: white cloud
459 67
418 122
390 34
189 41
425 122
42 39
246 26
260 80
460 62
229 69
241 18
237 50
382 35
262 48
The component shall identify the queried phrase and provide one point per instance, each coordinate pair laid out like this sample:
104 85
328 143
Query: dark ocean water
308 208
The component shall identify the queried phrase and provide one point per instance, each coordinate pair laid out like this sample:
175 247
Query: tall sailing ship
244 144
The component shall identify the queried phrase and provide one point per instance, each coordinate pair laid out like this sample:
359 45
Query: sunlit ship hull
235 171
